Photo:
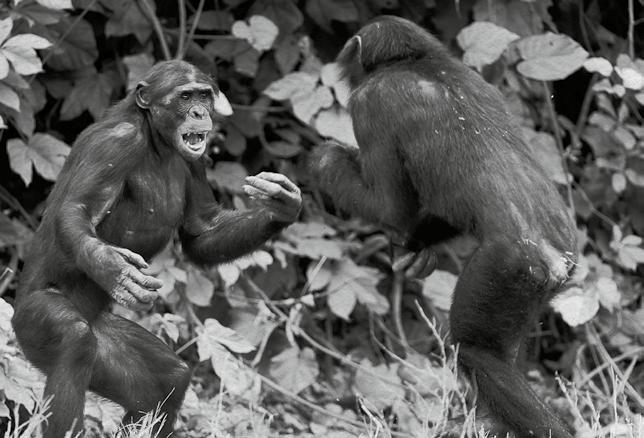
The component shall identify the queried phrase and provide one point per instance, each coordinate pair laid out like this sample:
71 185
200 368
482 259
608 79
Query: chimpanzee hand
118 271
415 264
276 194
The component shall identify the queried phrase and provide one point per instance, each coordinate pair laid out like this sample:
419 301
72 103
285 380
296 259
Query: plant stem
157 29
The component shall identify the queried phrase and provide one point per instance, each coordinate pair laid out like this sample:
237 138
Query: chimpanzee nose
198 112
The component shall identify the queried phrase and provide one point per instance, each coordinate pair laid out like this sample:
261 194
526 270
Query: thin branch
195 23
398 282
9 272
157 29
631 30
182 29
560 147
7 197
259 109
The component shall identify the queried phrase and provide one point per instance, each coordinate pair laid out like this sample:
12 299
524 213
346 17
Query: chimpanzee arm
211 234
364 184
90 182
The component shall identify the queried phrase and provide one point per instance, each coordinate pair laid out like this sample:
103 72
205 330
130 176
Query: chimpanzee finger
122 295
280 179
147 281
401 263
254 192
269 188
423 264
140 294
131 257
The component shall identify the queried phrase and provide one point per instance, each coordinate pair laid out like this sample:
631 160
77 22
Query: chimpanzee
130 181
439 156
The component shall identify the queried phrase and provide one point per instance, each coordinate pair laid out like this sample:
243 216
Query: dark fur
123 185
440 156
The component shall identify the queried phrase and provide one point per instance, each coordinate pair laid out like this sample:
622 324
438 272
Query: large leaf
44 152
129 21
213 334
336 122
307 105
5 28
291 85
78 48
8 97
20 51
550 57
484 43
199 288
92 93
295 369
56 4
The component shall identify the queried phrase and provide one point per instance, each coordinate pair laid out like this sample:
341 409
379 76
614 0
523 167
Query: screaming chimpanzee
440 156
130 181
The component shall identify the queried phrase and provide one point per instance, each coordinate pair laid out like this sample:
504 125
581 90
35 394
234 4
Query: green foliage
315 315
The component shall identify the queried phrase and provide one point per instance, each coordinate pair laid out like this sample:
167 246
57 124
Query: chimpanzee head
182 103
384 40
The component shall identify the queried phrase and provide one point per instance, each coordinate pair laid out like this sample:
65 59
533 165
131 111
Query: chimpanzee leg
59 341
138 371
497 299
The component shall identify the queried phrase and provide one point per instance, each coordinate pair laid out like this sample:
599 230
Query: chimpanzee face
183 112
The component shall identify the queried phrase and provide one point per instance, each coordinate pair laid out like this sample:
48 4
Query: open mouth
194 140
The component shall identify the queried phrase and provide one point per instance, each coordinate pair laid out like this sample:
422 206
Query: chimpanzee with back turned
440 156
131 181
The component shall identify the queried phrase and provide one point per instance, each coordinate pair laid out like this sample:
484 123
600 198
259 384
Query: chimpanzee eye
203 95
185 95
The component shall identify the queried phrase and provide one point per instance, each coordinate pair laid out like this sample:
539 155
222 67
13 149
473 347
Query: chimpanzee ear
141 94
352 51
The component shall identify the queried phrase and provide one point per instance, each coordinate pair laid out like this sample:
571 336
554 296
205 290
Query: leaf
325 11
3 125
350 283
235 377
290 85
331 76
284 13
295 369
56 4
439 287
130 21
606 290
137 66
44 152
287 54
199 288
378 391
575 306
631 78
5 28
247 62
215 20
24 60
336 122
213 334
4 66
92 93
27 40
544 149
306 105
484 43
599 65
8 97
228 175
342 301
260 32
78 48
550 57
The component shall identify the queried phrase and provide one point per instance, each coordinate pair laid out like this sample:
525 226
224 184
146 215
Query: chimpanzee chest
148 211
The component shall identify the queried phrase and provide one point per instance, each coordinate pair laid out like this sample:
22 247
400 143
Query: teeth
193 138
